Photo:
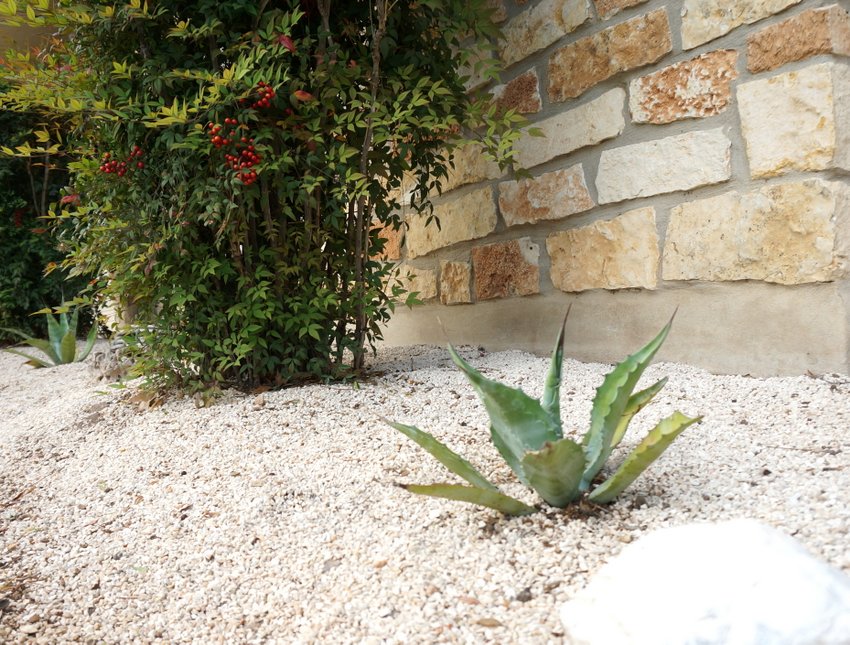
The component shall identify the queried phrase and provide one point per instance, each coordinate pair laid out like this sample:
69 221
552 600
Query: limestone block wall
696 155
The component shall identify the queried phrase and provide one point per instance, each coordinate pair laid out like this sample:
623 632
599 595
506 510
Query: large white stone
586 125
799 120
704 20
465 218
733 583
540 26
679 162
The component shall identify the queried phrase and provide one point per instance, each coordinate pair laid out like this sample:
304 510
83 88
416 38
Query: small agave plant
61 345
528 434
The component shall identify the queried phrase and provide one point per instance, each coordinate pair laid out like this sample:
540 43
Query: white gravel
282 523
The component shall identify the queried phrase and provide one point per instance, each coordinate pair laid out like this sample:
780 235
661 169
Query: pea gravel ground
279 520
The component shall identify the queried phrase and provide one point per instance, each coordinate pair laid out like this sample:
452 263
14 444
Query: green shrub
529 436
61 344
234 160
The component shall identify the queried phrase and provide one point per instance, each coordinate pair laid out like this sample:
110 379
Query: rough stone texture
470 167
679 162
813 32
786 233
468 218
540 26
475 70
423 281
705 20
506 269
392 246
608 8
586 125
500 11
695 88
521 94
581 65
551 196
797 120
618 254
455 278
750 584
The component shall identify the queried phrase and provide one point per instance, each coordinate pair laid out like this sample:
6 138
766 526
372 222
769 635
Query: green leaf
54 334
35 362
640 458
474 495
445 455
551 400
555 471
637 402
610 403
68 348
519 422
90 340
45 347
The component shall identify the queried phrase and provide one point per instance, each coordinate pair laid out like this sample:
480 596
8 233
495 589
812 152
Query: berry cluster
245 155
111 166
218 137
266 94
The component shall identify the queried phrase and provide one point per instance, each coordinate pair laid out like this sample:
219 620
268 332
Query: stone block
785 233
588 61
392 246
679 162
608 8
750 584
797 121
506 269
813 32
455 279
470 167
705 20
554 195
422 281
692 89
521 94
586 125
618 254
467 218
541 25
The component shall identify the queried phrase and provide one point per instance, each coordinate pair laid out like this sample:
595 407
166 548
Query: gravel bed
283 523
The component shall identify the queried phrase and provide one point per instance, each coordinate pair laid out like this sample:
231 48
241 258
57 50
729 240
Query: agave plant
61 345
528 434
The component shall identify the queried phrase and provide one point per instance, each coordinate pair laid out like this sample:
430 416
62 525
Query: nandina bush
232 162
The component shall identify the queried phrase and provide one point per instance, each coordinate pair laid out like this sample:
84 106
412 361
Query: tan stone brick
813 32
392 246
421 281
785 233
581 65
618 254
506 269
521 94
467 218
695 88
608 8
540 26
680 162
797 121
553 195
470 167
705 20
455 279
586 125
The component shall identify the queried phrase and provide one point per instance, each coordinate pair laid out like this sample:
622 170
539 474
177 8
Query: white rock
737 583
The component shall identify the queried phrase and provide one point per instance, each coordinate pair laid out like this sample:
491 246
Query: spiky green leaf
637 402
68 347
445 455
555 471
45 347
640 458
54 334
474 495
90 340
31 360
519 422
610 403
551 400
513 460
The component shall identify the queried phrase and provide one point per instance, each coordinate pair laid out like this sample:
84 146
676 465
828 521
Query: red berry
140 164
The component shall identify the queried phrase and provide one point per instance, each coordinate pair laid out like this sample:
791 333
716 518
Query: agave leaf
640 458
551 400
54 335
637 402
555 471
610 403
445 455
519 422
45 347
512 459
31 360
92 337
68 347
474 495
